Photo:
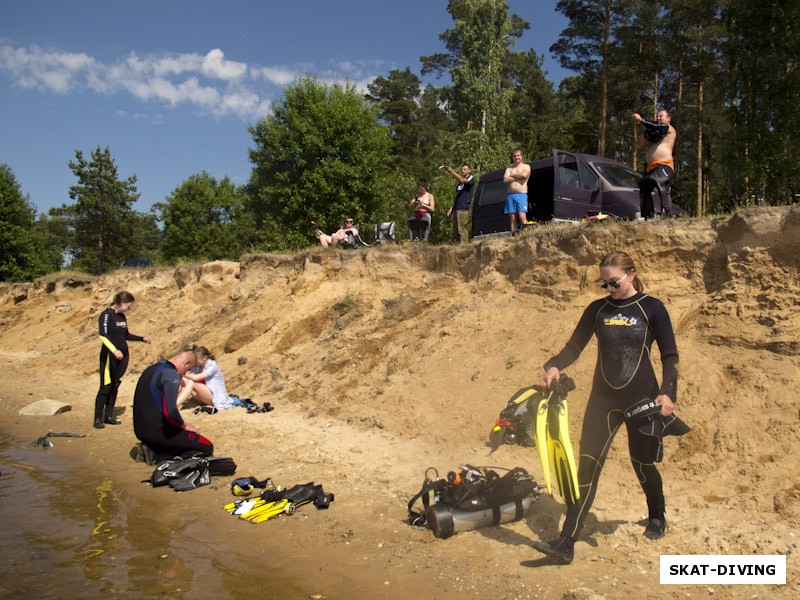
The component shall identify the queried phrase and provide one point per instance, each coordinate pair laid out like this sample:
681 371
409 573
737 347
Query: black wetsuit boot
561 548
110 419
100 403
656 528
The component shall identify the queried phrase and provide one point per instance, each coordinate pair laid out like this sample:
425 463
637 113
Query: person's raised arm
455 174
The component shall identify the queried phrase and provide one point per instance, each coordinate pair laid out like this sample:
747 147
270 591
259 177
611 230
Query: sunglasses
348 221
613 283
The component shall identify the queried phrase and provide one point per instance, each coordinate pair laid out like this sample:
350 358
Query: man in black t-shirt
459 213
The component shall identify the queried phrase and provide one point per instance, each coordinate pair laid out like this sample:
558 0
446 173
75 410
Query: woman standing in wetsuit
114 355
625 322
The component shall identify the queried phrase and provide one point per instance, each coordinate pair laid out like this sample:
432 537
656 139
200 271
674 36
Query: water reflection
69 531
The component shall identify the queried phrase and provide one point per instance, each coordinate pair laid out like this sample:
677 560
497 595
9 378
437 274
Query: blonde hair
622 260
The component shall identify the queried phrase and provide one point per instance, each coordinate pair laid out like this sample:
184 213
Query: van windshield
618 175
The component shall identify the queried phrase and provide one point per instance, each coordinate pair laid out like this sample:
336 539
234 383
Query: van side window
493 193
588 180
568 173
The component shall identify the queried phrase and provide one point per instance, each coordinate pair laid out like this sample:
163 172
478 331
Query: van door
488 206
576 189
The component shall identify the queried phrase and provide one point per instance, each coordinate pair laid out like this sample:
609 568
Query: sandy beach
382 362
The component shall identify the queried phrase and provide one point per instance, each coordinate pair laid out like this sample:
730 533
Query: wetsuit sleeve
134 338
580 337
665 338
107 343
104 325
171 382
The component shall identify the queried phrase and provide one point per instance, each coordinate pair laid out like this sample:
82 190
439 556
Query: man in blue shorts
516 177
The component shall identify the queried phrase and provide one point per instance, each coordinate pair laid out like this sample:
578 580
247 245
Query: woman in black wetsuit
625 322
114 355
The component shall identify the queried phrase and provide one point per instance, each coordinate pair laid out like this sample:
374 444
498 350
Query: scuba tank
446 521
471 498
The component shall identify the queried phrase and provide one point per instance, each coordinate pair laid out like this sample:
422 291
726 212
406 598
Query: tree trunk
701 201
656 84
601 141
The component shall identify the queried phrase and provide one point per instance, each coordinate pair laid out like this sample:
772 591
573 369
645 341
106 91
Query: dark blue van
564 187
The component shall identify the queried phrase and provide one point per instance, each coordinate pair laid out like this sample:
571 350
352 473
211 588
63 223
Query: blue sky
170 86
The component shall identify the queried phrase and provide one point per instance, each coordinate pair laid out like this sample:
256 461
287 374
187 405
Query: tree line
725 69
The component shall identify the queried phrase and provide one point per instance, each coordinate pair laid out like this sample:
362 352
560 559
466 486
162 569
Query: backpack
384 232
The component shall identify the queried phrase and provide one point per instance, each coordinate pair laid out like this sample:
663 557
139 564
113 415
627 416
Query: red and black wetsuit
624 375
114 336
156 419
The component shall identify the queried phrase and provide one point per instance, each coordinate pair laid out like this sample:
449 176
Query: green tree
201 218
762 56
695 80
478 47
52 240
321 154
397 100
587 46
100 222
542 119
20 256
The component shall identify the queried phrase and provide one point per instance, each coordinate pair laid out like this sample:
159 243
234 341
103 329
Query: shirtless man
660 165
516 177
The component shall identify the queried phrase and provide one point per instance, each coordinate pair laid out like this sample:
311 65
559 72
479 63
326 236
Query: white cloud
277 75
215 65
48 71
207 82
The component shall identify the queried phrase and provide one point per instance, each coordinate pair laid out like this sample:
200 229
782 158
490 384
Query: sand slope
382 362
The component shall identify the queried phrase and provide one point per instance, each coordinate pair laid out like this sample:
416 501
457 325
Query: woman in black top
626 323
114 336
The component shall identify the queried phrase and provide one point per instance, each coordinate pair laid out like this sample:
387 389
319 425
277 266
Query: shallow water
68 531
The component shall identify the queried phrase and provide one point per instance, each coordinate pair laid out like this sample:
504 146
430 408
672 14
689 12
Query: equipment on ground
187 473
471 498
538 416
275 501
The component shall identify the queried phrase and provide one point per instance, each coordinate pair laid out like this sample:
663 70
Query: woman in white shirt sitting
208 382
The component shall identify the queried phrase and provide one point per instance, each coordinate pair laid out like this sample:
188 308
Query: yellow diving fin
542 438
555 446
275 510
559 452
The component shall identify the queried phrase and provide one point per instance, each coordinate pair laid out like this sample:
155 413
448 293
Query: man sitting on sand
157 422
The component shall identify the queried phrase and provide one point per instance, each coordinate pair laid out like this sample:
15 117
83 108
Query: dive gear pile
184 474
275 500
515 425
538 416
470 498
